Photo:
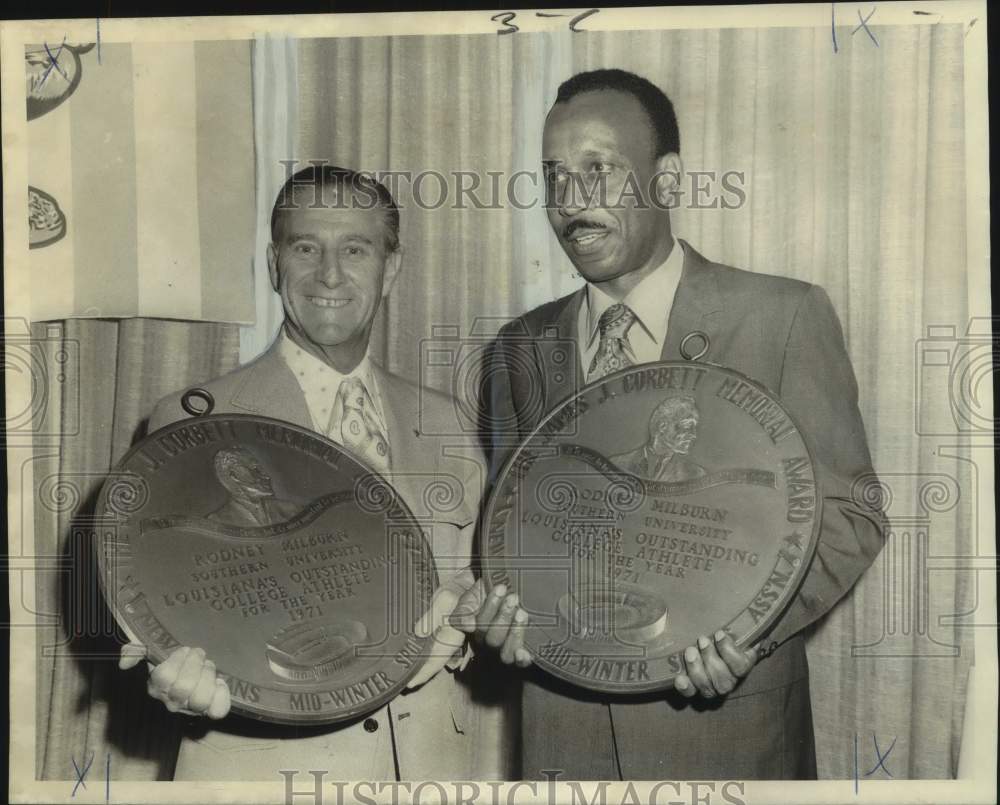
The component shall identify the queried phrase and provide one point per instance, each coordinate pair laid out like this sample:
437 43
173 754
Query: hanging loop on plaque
201 394
695 335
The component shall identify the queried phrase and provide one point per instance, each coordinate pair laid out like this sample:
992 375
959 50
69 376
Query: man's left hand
447 639
714 666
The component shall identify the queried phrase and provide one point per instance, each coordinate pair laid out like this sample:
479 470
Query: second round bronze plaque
664 502
300 572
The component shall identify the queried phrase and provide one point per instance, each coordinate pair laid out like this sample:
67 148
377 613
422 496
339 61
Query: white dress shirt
650 301
320 382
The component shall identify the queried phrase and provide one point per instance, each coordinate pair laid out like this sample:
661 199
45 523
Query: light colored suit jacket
784 334
432 732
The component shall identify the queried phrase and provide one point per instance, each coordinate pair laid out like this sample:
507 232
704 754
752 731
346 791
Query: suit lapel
697 307
559 353
270 389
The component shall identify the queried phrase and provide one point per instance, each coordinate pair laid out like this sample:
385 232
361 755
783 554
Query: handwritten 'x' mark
54 62
881 757
81 775
864 24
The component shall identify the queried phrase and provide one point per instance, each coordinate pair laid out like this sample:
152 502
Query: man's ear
393 264
272 265
669 170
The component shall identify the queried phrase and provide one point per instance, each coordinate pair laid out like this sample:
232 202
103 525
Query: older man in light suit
334 257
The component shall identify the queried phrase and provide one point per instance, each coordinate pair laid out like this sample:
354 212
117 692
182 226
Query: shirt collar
646 300
314 375
302 360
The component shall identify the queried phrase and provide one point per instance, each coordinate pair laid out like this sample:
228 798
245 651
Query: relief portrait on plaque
252 501
673 429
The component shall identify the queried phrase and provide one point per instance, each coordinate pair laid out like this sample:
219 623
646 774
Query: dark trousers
764 734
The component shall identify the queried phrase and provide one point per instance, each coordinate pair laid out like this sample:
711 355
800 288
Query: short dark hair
322 176
653 99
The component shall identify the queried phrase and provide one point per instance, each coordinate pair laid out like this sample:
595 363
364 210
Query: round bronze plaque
661 503
299 571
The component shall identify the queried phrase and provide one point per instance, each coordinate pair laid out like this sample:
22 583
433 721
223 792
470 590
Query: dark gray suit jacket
784 334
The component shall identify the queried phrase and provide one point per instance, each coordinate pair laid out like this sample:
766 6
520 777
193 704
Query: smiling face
332 267
606 203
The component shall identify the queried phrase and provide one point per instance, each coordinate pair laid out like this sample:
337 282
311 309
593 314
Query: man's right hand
185 682
496 620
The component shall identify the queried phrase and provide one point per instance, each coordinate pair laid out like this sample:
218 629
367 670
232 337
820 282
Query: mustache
578 224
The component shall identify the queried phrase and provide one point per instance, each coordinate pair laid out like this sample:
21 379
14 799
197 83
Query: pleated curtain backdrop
275 122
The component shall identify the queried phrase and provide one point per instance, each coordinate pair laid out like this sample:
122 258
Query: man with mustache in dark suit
612 136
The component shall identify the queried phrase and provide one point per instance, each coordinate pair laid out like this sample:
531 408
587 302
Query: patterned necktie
612 352
359 429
